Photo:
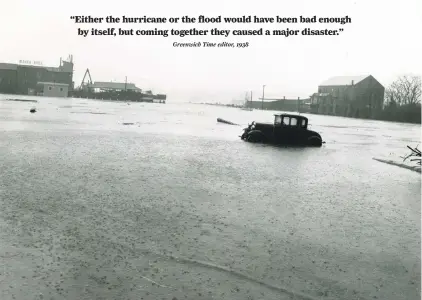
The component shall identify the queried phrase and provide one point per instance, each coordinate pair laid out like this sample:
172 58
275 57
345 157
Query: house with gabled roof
349 96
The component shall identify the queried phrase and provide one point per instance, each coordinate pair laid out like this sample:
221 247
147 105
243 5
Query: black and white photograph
210 150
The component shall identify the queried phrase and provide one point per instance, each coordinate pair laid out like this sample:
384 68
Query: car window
277 120
293 122
303 123
286 121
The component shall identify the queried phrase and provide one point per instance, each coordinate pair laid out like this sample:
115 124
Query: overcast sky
383 40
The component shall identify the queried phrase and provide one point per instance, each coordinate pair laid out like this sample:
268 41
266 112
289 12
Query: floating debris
397 164
415 153
32 110
22 100
89 112
128 123
225 121
72 106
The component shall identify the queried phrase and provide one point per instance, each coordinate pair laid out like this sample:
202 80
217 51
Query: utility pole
263 93
250 104
125 83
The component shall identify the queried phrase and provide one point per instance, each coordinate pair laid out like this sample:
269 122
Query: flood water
176 206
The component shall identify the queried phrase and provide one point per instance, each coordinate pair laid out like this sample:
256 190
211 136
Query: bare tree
406 90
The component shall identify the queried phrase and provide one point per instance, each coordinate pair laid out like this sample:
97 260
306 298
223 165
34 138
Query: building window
49 88
61 89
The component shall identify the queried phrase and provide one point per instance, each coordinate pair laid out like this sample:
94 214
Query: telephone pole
263 93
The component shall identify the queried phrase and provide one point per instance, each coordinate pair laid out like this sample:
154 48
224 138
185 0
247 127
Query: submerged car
288 129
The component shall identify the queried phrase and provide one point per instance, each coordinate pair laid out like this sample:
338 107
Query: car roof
292 115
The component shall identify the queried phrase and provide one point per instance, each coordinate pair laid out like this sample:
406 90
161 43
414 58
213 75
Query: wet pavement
176 206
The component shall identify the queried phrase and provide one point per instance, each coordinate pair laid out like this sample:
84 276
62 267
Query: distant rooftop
6 66
343 80
269 100
114 85
52 83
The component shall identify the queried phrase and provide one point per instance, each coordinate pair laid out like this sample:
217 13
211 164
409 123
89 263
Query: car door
294 131
286 132
281 131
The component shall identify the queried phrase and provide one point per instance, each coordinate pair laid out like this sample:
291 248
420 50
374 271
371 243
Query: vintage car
288 129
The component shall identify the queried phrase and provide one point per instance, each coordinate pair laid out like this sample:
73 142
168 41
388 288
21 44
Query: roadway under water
175 206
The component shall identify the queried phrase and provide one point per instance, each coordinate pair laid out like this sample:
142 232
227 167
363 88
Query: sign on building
30 62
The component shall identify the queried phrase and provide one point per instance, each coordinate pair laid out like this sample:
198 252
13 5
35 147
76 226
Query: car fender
256 136
314 140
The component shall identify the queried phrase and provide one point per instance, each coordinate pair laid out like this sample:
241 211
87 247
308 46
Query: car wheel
250 139
253 138
314 141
